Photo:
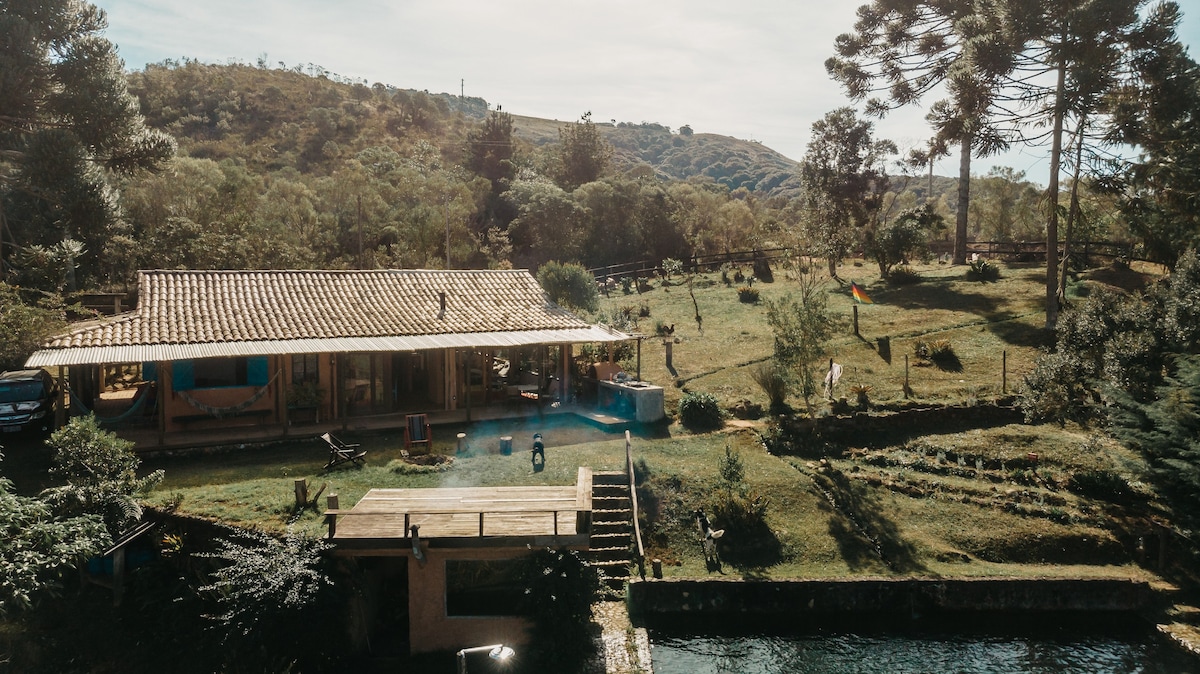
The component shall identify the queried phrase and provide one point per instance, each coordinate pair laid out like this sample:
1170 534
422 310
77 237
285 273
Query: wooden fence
1032 250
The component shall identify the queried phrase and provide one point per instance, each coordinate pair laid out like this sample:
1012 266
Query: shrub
560 588
980 269
1101 484
939 352
862 396
644 310
772 378
903 275
569 285
700 412
748 295
627 284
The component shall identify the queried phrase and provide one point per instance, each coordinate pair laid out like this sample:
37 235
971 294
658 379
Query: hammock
231 410
139 401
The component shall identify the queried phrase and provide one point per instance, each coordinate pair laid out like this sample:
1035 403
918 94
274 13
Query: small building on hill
257 352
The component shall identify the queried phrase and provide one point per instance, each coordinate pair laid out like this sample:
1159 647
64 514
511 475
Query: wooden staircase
610 547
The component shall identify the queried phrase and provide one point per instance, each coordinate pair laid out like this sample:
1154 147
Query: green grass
983 321
885 507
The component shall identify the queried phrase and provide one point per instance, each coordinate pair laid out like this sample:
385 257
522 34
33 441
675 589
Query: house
257 352
440 567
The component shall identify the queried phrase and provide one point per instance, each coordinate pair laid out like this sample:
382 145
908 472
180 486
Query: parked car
27 400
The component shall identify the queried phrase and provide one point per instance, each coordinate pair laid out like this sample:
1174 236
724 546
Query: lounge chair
416 431
340 452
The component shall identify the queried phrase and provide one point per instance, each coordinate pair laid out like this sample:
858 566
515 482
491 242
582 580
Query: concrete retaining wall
904 597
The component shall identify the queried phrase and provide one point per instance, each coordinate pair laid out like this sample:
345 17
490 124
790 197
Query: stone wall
916 420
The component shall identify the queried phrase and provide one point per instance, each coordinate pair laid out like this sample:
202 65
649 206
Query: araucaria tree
67 127
908 49
844 182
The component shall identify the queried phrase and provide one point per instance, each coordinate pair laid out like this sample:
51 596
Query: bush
627 285
1101 484
700 412
980 269
772 378
939 352
560 588
569 285
644 310
748 295
903 275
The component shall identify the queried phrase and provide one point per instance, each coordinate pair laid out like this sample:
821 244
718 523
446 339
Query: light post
497 652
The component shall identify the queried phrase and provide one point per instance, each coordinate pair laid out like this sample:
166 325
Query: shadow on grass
865 534
938 294
1018 333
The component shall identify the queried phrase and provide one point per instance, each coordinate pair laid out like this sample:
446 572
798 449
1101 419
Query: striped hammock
231 410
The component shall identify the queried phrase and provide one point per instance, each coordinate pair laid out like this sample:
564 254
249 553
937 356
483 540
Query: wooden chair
416 431
340 452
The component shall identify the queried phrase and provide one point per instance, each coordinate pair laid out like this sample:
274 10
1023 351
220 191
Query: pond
997 645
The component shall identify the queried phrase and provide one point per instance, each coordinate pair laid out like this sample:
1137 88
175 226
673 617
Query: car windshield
21 391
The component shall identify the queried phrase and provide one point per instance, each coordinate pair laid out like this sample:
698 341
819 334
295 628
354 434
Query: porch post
281 408
60 414
163 376
564 382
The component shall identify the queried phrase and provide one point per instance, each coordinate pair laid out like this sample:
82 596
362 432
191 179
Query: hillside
269 119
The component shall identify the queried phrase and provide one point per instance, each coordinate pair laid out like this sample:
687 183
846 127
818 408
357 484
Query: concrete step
611 515
613 554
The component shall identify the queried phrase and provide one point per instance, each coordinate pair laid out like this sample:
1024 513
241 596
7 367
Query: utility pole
447 204
360 243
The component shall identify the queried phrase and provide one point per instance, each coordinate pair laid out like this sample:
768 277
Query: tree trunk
964 201
1052 196
1072 212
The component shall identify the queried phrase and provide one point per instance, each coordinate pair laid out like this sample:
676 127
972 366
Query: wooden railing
639 549
699 263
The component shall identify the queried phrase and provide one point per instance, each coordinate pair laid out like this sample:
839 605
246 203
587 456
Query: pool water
1040 649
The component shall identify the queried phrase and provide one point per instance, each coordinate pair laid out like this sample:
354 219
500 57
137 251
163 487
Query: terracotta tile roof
198 307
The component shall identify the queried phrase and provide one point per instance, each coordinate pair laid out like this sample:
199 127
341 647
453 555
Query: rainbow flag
858 294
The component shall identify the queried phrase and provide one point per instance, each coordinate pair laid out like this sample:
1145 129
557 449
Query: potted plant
306 395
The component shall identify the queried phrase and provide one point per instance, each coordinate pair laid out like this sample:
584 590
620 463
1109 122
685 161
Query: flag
859 295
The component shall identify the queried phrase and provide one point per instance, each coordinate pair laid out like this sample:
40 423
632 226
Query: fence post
855 307
906 386
331 504
1004 372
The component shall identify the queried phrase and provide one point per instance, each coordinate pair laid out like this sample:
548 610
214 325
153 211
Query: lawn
967 503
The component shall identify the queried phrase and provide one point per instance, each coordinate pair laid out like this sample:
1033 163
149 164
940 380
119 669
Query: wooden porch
464 517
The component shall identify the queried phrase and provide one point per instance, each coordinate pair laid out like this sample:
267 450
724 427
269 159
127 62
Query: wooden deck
468 516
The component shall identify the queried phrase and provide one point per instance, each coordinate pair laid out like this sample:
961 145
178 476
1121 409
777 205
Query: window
220 372
305 368
483 588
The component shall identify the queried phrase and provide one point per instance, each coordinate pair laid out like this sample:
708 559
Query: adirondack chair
416 431
340 452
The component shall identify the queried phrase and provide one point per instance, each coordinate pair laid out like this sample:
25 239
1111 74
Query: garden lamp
497 652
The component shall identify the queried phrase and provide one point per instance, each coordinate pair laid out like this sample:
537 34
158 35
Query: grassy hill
271 119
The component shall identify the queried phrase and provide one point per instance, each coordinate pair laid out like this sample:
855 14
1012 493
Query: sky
752 70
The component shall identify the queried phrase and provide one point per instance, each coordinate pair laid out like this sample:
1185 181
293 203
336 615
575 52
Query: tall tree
582 154
843 182
908 49
1066 55
67 126
1159 112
